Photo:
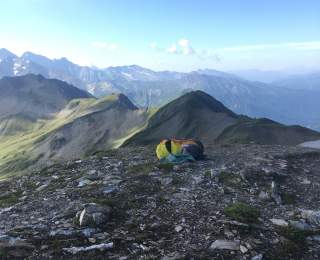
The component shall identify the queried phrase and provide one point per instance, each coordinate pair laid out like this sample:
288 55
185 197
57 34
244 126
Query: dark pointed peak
200 100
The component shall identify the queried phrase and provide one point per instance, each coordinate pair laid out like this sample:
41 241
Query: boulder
93 215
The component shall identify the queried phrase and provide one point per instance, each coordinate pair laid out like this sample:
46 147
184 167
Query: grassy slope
17 149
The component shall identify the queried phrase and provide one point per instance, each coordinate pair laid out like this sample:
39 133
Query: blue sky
162 34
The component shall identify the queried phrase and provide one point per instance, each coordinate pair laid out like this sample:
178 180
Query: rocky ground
242 202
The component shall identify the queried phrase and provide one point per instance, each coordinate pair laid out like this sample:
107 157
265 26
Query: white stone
225 244
243 249
279 222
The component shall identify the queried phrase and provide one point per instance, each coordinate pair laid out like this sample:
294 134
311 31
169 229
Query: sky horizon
167 35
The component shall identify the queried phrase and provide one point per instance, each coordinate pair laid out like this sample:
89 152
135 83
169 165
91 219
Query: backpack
178 147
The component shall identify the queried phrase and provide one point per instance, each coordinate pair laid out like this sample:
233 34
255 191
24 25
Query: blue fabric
177 159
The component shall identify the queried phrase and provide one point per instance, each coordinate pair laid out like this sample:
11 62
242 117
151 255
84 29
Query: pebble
178 228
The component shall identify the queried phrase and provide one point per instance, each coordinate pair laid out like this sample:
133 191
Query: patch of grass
229 178
141 169
29 185
105 153
9 199
294 246
12 160
242 212
167 167
295 235
286 250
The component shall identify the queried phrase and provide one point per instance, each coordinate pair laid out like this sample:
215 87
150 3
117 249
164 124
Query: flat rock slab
225 244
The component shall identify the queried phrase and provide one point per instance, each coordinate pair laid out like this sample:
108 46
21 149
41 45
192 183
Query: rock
93 177
173 256
15 247
300 225
166 181
83 182
263 195
93 215
178 228
275 193
214 173
42 187
101 247
315 238
228 234
257 257
110 190
61 232
243 249
92 172
197 180
88 232
99 218
176 168
279 222
225 244
312 216
305 182
100 236
92 240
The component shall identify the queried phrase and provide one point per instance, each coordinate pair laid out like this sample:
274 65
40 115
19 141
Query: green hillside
18 150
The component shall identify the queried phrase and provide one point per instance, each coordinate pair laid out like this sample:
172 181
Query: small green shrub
242 212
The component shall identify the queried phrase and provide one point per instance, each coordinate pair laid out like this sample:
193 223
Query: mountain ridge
148 88
199 116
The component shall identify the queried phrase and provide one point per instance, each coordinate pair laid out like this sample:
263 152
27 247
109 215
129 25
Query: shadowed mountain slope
265 131
200 116
35 96
100 130
194 115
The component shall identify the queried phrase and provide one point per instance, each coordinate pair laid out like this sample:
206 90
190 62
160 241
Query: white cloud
183 42
183 47
173 49
104 45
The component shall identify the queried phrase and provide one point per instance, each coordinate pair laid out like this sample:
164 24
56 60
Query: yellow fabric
161 150
176 147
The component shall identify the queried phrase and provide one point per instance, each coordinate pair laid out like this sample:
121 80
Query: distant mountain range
289 101
301 82
52 121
